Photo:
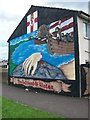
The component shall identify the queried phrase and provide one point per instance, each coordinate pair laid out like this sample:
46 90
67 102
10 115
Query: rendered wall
84 56
84 50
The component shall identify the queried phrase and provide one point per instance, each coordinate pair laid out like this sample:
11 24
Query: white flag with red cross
32 22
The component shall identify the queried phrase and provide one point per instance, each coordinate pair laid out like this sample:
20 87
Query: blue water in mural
23 38
26 49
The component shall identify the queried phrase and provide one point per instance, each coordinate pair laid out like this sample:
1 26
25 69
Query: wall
44 57
84 51
84 54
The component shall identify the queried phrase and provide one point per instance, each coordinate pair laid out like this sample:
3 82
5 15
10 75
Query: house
4 64
49 50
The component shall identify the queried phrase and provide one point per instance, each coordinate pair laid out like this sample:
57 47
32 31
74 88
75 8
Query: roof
21 25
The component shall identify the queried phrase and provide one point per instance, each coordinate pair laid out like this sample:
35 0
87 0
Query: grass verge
0 107
13 109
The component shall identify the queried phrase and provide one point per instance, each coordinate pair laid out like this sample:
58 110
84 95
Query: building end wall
84 50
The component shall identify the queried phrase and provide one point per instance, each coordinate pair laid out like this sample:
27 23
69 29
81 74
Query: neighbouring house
4 64
49 50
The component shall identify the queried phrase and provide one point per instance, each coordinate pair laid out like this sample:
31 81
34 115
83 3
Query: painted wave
22 38
26 49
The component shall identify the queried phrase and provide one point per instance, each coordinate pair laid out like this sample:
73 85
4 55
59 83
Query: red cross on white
32 22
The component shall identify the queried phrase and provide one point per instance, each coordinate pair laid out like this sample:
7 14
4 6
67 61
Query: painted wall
44 57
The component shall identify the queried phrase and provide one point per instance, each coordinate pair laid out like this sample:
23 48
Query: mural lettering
50 86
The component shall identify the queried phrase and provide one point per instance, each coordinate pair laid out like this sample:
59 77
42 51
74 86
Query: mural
46 52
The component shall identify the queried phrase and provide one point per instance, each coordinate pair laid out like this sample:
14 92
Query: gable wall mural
44 57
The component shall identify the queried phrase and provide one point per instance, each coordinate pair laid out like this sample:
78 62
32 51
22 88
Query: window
86 30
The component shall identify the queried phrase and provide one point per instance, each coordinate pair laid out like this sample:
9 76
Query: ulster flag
32 22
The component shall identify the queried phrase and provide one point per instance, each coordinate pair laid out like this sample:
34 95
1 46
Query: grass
0 107
13 109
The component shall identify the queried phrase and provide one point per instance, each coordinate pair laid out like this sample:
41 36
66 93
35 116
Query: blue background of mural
27 48
22 38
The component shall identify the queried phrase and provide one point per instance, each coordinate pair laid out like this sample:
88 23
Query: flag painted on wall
66 25
32 22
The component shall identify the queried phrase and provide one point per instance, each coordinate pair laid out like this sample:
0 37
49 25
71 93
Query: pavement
69 107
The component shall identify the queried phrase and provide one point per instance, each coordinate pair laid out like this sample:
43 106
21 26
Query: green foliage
12 109
43 31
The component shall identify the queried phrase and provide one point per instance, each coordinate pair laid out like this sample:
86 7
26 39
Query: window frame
85 30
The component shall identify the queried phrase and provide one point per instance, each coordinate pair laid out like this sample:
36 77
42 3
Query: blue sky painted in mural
29 48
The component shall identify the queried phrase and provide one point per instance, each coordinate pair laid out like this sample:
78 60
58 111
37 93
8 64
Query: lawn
0 107
13 109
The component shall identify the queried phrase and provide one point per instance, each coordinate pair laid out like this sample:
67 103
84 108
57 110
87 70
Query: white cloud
7 28
18 7
67 1
4 53
71 4
12 11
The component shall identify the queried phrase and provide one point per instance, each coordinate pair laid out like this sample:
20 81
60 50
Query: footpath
69 107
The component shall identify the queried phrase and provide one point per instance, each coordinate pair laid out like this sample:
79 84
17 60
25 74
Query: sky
12 12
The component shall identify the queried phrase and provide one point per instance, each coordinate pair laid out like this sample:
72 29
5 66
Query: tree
43 31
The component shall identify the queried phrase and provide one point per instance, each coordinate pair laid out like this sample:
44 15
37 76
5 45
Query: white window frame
86 30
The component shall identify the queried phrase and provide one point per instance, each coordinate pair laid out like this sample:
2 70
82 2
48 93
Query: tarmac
69 107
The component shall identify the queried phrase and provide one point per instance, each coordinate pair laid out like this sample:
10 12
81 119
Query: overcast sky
12 11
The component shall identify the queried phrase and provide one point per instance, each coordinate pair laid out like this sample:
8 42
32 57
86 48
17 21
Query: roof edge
76 11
